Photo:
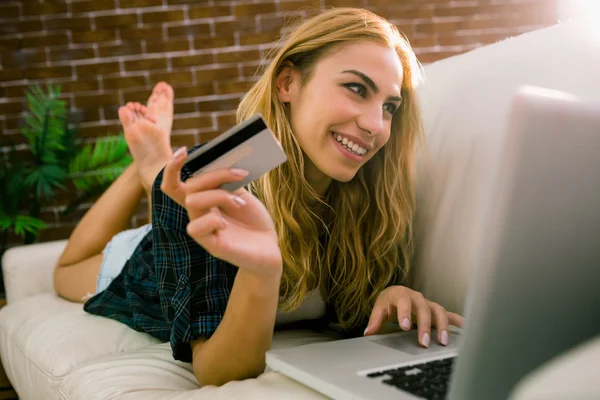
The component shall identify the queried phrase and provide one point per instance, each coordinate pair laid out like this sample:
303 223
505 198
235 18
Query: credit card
250 145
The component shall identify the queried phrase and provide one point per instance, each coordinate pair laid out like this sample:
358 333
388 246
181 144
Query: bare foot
148 143
160 106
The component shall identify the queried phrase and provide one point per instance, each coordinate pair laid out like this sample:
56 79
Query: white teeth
355 147
349 144
345 141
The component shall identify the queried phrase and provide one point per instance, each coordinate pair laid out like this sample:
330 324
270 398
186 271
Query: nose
371 120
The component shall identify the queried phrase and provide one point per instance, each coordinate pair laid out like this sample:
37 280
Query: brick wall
105 53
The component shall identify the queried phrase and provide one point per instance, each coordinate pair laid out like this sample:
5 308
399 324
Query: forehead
380 62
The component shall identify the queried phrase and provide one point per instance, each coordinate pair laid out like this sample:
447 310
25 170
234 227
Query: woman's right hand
235 227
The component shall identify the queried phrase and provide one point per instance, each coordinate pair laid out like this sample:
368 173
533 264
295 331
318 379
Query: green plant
50 161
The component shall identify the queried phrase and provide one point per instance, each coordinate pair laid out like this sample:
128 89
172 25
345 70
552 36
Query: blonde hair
366 223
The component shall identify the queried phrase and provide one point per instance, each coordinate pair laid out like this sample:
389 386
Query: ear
285 82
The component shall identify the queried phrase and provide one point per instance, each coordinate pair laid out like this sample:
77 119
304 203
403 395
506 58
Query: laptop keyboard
427 380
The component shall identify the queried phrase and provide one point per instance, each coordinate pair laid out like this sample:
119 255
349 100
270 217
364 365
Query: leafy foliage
53 160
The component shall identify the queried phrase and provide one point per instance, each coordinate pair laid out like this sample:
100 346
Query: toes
126 115
163 89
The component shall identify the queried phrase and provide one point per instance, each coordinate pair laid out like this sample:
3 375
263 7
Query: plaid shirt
170 288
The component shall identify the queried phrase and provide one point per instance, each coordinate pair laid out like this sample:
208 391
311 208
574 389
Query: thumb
379 316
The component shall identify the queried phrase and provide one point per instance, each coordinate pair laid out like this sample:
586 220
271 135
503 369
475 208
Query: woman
329 229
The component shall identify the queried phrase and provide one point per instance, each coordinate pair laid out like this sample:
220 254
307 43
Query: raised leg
145 131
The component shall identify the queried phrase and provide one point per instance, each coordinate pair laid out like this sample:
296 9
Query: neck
317 179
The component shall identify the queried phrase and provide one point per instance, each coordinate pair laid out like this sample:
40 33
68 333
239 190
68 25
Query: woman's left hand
399 303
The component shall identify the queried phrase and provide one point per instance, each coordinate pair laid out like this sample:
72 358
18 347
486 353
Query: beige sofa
51 349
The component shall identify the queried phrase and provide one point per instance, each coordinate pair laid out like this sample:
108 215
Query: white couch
51 349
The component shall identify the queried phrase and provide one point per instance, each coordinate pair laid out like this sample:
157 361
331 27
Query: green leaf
24 224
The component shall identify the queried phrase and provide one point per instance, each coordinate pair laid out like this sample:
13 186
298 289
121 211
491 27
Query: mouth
349 149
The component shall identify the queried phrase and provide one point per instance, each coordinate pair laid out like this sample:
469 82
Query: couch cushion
152 373
43 338
466 103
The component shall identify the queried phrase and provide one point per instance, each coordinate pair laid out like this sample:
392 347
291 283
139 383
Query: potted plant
51 161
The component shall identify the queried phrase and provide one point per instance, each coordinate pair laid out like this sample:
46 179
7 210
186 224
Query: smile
349 149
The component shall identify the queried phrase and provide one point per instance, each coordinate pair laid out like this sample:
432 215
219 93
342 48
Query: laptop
535 291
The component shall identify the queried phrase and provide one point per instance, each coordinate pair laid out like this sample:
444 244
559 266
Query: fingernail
179 153
444 338
405 324
366 331
240 202
239 172
425 340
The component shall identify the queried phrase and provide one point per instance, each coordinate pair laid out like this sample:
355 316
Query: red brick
436 27
188 140
259 38
23 58
238 56
195 60
192 123
201 89
299 5
74 24
163 16
48 72
140 95
43 40
185 107
146 64
15 124
92 5
200 28
206 136
173 78
435 56
66 54
408 13
242 25
167 46
95 100
206 42
124 49
104 35
124 82
20 26
139 3
111 112
233 86
80 85
11 139
10 43
212 74
117 20
252 69
218 105
95 131
99 68
147 33
226 121
9 11
243 10
276 23
209 11
13 107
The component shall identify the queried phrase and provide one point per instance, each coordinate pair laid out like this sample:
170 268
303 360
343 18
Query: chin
343 176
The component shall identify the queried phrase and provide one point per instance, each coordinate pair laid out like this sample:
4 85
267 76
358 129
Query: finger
440 317
403 310
171 184
421 309
205 225
202 202
214 179
379 316
455 319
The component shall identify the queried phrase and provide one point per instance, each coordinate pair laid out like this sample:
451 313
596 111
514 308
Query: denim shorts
117 252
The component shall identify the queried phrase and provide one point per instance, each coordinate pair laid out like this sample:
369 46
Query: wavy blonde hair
356 240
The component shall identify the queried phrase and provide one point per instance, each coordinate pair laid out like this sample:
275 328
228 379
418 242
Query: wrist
260 283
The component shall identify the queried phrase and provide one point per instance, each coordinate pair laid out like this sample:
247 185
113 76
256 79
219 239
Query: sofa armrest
28 269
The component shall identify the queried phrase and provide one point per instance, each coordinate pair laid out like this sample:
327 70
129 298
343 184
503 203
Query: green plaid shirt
170 288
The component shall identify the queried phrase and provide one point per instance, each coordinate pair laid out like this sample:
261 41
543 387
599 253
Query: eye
390 107
356 88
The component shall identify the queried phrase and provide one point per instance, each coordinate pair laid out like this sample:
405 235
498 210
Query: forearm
237 349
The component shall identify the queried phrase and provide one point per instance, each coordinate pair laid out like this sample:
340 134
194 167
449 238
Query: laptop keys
427 380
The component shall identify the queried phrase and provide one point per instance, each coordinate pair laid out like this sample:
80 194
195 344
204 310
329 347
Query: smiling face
342 116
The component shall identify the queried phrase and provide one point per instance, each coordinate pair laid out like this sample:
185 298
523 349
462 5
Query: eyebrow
369 82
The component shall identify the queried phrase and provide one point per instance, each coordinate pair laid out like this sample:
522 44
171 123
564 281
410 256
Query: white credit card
249 145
